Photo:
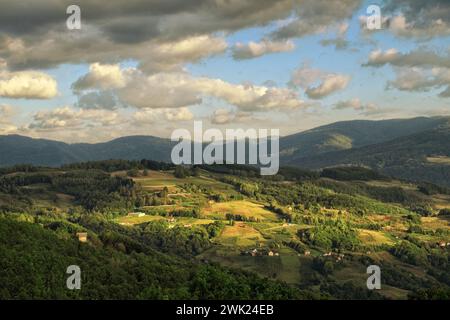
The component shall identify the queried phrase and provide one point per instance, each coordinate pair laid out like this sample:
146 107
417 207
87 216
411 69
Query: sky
150 67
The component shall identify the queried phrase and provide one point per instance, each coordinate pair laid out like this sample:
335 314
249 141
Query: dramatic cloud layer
155 65
419 18
314 16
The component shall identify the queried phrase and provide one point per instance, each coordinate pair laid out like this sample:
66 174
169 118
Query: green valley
208 232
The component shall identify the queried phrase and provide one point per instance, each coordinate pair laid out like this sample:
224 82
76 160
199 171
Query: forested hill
423 156
16 149
415 149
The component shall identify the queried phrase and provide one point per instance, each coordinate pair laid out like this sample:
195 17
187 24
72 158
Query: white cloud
331 84
419 79
27 85
256 49
176 90
318 83
417 58
316 16
421 19
101 76
70 118
305 76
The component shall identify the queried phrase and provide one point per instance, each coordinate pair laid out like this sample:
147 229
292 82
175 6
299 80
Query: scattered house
442 244
270 253
277 254
136 214
188 225
82 236
289 208
307 253
171 220
254 252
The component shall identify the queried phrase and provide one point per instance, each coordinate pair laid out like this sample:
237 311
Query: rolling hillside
15 149
419 157
352 134
414 149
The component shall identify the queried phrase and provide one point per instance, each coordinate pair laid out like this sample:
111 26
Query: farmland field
244 208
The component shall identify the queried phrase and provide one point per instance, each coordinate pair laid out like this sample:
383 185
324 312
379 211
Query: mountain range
414 149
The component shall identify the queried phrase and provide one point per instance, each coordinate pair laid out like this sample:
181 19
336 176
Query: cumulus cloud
416 58
27 85
256 49
418 18
317 83
305 76
70 118
419 79
101 76
316 16
419 70
99 100
91 46
331 84
179 89
162 36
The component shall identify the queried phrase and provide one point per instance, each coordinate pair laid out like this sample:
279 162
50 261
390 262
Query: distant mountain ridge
399 147
16 149
352 134
422 156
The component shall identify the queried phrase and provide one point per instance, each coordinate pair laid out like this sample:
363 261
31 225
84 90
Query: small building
188 225
82 236
254 252
136 214
171 220
270 253
307 253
